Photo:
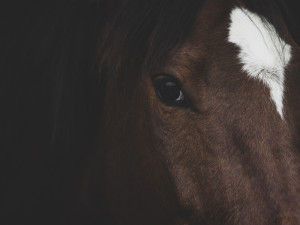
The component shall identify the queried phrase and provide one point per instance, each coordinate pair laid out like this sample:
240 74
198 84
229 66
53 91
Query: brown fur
230 159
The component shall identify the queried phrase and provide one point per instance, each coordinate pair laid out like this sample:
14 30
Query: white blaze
263 54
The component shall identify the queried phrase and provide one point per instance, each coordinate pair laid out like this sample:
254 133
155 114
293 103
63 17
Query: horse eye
169 90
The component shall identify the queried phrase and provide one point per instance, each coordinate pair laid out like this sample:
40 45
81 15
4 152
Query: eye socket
169 91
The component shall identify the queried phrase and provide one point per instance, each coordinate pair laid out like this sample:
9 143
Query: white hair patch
263 54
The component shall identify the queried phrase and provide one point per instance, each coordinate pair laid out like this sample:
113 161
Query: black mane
52 91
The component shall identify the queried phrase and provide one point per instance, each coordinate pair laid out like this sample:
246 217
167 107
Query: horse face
201 140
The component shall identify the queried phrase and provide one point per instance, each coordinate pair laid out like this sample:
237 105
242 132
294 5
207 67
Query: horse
129 112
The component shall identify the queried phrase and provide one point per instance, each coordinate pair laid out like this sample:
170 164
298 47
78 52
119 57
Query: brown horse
186 112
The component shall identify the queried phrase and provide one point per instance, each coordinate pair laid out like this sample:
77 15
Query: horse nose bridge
250 188
254 175
261 195
268 187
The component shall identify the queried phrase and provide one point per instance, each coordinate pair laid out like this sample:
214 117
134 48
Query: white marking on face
263 53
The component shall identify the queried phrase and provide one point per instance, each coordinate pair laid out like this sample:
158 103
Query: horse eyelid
188 103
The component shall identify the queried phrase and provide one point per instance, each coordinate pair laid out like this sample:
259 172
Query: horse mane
50 54
52 89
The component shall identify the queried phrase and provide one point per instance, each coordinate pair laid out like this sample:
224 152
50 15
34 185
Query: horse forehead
263 55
